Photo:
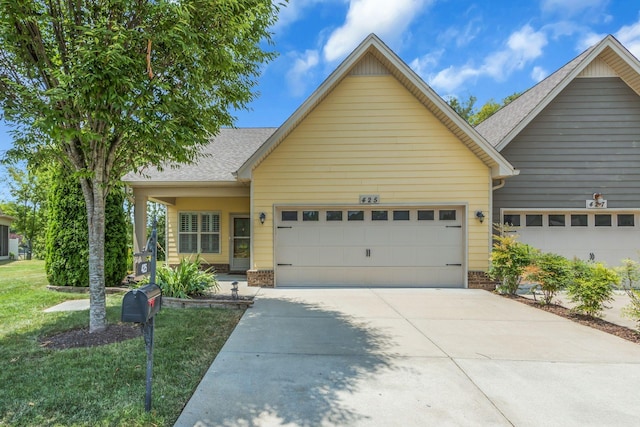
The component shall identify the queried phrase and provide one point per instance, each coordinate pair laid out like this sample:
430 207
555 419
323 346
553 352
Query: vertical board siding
587 140
371 136
369 66
225 205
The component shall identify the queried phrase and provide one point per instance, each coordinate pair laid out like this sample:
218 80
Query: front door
240 243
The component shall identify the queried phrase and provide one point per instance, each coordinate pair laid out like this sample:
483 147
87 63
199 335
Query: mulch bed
82 338
593 322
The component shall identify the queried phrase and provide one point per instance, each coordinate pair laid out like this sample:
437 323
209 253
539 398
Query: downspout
500 184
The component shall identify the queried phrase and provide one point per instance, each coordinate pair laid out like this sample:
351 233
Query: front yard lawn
96 386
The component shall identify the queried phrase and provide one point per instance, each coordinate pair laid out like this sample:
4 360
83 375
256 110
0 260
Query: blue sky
488 49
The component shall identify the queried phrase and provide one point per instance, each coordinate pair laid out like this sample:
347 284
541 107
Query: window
579 220
401 215
199 233
556 220
310 215
447 215
533 220
289 215
626 220
603 220
334 215
4 240
379 215
425 215
355 215
513 220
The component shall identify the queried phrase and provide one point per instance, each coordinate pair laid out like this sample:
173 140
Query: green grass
99 386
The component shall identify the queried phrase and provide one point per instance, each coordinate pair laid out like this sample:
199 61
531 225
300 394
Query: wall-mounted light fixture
480 216
263 217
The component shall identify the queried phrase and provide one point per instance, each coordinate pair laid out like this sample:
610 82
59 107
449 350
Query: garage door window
447 215
513 220
289 215
603 220
334 215
556 220
579 220
310 215
355 216
379 215
425 216
401 215
626 220
534 220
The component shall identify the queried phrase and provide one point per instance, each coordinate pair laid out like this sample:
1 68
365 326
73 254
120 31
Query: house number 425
369 199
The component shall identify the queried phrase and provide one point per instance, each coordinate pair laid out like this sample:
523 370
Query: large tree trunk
95 200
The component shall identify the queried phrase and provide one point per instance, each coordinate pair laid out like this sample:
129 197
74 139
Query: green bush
509 258
551 273
67 241
186 280
629 273
592 287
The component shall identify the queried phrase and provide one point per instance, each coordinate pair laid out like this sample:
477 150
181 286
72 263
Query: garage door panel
393 252
609 244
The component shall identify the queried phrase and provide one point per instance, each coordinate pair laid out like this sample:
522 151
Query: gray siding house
575 137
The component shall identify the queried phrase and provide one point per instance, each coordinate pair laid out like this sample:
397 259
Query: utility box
140 305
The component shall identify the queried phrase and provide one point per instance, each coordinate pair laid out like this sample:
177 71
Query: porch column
139 222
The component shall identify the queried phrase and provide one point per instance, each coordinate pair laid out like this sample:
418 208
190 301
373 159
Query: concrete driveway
414 357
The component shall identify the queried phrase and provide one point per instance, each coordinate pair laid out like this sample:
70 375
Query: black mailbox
140 305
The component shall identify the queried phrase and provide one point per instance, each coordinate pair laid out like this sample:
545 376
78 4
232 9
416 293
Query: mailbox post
141 305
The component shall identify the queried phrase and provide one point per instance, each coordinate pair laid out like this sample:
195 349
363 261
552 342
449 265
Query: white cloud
295 10
297 76
538 74
425 63
571 7
522 47
629 36
388 19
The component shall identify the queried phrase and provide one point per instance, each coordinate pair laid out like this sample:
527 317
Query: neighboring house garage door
373 246
606 236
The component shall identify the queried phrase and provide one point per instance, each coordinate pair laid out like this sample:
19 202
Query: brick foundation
260 278
481 280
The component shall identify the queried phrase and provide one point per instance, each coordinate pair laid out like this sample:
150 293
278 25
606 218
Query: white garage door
370 247
604 236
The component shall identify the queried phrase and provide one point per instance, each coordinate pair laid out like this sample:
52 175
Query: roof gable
606 57
374 57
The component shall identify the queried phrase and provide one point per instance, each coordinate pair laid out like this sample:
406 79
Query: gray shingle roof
499 125
219 159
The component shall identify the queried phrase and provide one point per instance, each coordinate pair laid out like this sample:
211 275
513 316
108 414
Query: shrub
67 241
186 280
551 273
509 258
592 287
630 277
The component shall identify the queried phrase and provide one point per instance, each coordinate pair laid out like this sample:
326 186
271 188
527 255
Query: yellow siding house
373 181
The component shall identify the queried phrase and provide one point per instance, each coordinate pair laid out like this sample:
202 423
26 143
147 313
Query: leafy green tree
509 259
67 240
551 272
108 87
465 109
486 111
28 188
468 111
592 288
629 273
